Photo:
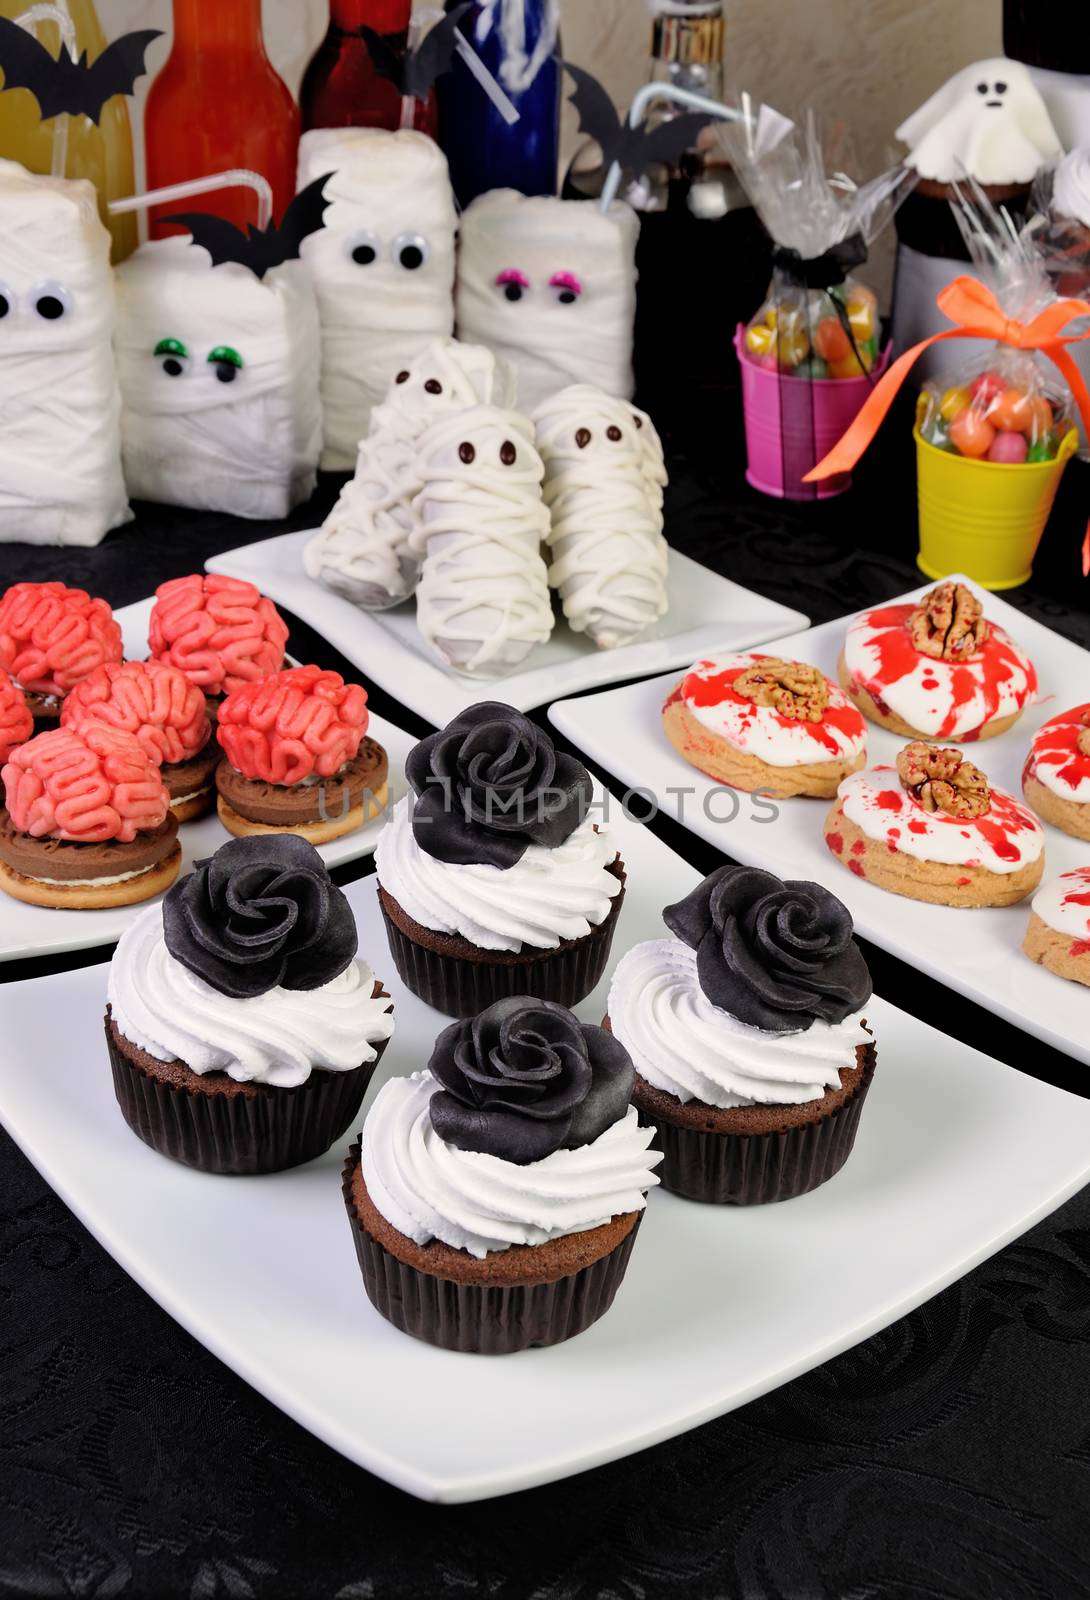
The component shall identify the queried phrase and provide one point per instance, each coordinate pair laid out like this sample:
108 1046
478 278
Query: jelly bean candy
971 433
863 317
853 366
759 339
792 345
1041 450
815 367
770 316
987 387
1009 448
953 401
831 341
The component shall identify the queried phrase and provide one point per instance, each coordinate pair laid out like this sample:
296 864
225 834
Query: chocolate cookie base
277 805
44 708
753 1155
211 1122
67 861
194 778
461 980
525 1296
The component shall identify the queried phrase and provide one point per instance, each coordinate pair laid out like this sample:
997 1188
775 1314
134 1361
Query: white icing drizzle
483 597
1005 839
1064 904
480 1203
764 732
547 896
682 1044
604 481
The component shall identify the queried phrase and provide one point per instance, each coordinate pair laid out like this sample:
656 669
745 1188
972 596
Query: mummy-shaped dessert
483 598
550 285
604 477
382 266
363 548
219 375
60 475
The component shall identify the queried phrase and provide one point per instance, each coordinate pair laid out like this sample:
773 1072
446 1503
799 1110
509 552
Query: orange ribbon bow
978 315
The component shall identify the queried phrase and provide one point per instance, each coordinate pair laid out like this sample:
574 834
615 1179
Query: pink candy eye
566 287
513 283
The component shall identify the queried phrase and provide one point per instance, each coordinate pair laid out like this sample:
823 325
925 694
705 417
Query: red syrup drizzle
1057 745
857 868
719 690
1006 819
1081 947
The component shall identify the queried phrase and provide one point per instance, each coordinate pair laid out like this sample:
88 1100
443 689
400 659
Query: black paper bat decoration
260 248
633 149
62 84
413 72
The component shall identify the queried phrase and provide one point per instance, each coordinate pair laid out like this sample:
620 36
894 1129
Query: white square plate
706 613
38 930
956 1155
977 952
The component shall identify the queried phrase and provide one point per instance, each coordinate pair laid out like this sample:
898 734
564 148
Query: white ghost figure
550 285
362 550
478 522
987 122
604 481
382 266
60 410
219 379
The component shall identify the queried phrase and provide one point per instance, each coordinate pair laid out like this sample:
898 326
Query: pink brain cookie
221 632
89 786
16 722
301 723
52 636
157 704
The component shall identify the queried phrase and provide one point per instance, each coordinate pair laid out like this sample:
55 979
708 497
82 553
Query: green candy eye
174 357
227 362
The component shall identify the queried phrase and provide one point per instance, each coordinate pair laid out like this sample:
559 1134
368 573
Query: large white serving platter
707 612
957 1155
37 930
976 952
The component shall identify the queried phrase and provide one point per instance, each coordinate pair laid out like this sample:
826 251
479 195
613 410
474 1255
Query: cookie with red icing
297 757
1058 936
88 821
16 721
933 828
938 669
223 633
51 637
1056 777
760 722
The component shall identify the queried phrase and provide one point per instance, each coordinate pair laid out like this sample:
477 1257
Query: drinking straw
67 29
235 178
642 99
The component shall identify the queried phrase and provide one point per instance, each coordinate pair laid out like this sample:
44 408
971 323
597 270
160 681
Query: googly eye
508 453
512 284
227 363
411 251
566 288
466 453
7 301
173 357
364 248
51 300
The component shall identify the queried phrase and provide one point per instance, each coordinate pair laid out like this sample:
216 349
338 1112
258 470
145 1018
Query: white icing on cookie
1064 904
1005 839
1056 760
762 731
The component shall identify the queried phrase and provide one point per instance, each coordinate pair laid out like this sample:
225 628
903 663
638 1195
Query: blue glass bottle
484 152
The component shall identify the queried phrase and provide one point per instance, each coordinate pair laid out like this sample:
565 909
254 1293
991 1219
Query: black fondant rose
526 1078
776 955
491 783
261 912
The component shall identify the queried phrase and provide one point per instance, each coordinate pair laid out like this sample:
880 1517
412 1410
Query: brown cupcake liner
459 987
753 1169
240 1134
479 1319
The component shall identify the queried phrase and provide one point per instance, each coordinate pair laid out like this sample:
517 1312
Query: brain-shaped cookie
16 722
221 632
90 786
52 636
157 704
301 723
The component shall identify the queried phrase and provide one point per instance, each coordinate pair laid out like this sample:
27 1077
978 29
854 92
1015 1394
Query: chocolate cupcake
493 879
495 1201
241 1029
752 1055
298 760
51 637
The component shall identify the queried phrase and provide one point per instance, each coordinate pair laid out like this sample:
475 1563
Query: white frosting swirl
1064 904
277 1038
548 896
1071 186
480 1203
1005 839
682 1044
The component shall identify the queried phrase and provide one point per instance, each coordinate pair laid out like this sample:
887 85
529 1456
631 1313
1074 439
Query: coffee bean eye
583 437
433 386
411 251
363 248
508 453
51 300
613 432
466 453
402 377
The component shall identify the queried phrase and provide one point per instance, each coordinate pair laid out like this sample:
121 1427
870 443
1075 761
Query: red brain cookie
52 636
154 702
90 786
16 722
221 632
298 724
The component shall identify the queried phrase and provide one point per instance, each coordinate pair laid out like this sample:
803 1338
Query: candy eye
51 300
566 287
227 362
514 284
173 357
402 377
363 248
614 434
466 453
433 386
583 437
508 453
7 301
411 251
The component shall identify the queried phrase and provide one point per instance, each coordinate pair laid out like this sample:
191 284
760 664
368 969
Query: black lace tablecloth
946 1457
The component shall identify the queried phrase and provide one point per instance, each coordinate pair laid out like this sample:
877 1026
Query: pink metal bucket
835 404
